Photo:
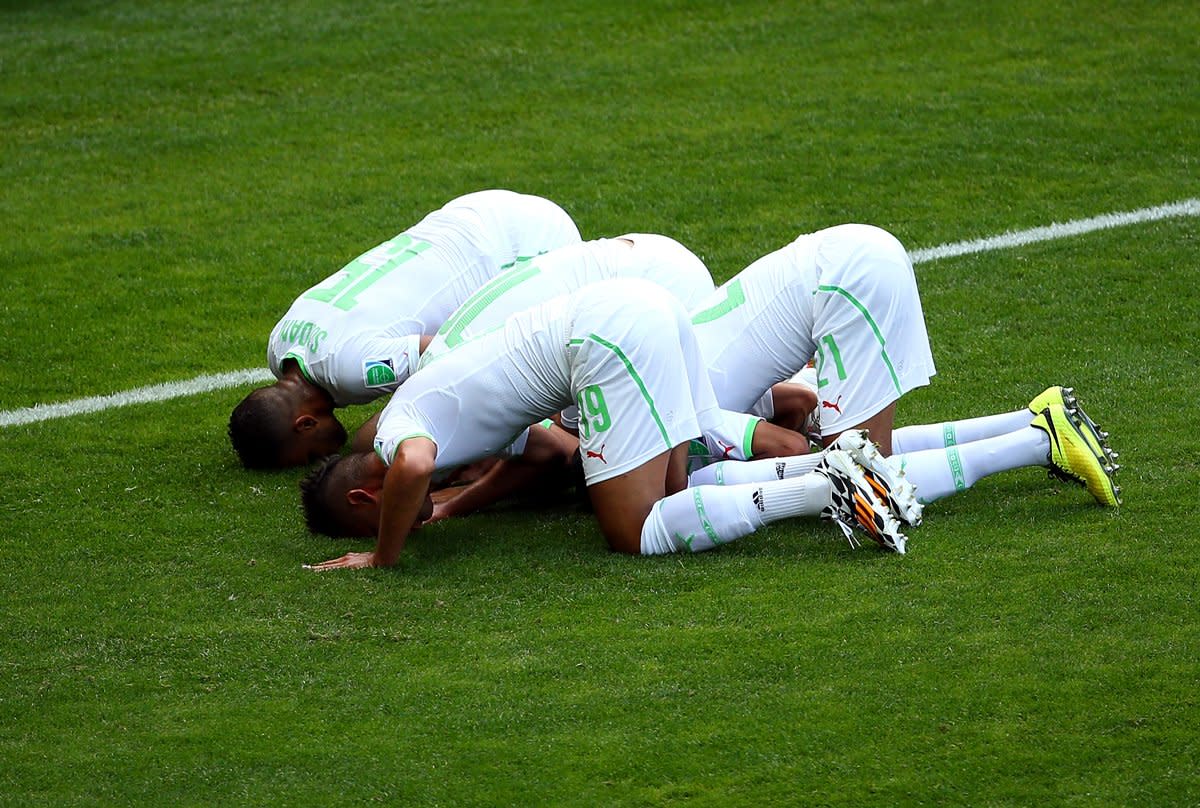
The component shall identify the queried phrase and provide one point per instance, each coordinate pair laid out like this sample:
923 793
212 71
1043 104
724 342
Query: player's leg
636 381
703 517
622 503
878 425
1063 439
793 405
734 472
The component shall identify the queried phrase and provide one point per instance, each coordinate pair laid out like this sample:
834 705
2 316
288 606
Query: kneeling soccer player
625 353
846 296
356 336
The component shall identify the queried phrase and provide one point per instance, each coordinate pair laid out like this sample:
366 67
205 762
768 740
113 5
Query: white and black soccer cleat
855 503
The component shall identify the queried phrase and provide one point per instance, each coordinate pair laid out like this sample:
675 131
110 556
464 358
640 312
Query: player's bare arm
793 403
547 454
405 491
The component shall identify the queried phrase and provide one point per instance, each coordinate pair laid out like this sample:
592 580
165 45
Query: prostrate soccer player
655 258
357 335
848 296
625 353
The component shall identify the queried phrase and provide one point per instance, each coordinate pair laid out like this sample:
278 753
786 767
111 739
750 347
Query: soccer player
358 334
625 353
845 295
655 258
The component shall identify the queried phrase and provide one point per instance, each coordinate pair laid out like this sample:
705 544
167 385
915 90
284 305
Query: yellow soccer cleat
1063 396
1079 451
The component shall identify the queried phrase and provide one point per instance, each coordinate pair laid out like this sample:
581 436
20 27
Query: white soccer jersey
356 333
655 258
622 350
845 295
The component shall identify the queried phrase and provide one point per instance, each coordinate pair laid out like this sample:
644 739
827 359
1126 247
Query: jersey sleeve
369 367
396 426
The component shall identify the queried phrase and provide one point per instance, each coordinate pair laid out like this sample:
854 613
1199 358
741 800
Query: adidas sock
938 473
956 433
733 472
707 516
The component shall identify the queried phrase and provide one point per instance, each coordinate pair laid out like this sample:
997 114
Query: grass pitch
175 173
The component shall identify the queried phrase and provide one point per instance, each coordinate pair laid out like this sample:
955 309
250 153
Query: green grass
174 174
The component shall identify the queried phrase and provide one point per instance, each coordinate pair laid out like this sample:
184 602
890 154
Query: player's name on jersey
301 332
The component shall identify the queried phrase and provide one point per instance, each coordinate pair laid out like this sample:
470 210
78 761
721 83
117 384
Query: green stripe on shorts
871 322
634 375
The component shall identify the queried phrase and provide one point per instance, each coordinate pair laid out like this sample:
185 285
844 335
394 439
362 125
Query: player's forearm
396 519
364 438
404 490
501 480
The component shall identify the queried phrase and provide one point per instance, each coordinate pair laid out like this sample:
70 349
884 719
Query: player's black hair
257 432
320 498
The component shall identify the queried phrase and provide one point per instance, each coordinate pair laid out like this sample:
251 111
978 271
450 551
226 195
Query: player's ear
362 496
304 423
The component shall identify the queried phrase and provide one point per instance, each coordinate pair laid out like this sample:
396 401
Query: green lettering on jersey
367 269
302 332
837 360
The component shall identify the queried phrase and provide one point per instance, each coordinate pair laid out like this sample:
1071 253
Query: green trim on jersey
871 322
734 297
634 375
387 461
299 360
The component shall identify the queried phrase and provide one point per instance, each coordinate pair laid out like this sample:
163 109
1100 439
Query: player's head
272 428
341 496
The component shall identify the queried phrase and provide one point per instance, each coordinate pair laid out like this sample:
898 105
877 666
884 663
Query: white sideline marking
219 381
140 395
1188 207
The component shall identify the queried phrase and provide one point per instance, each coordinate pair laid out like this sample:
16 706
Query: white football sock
955 433
706 516
733 472
938 473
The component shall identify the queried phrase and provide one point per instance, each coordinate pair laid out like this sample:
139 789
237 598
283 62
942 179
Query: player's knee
625 539
771 440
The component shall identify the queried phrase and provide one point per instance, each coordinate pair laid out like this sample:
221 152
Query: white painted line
1188 207
205 384
140 395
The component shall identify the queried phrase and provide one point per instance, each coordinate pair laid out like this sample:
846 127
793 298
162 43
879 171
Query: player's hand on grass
350 561
441 510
